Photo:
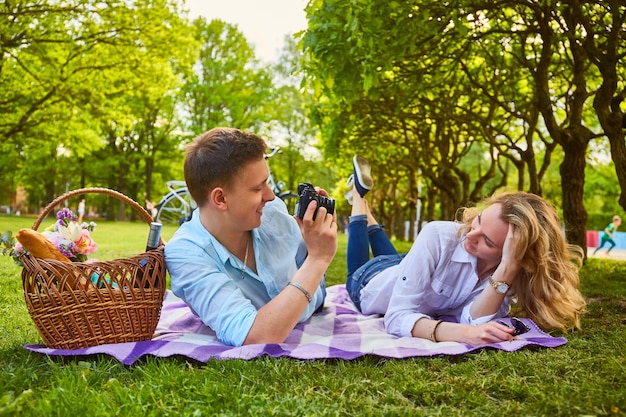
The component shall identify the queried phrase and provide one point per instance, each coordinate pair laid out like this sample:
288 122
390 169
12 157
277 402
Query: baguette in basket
38 246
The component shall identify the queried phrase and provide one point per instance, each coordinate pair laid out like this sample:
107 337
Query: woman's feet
361 179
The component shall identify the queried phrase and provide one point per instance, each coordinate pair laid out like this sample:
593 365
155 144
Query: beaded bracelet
433 337
301 288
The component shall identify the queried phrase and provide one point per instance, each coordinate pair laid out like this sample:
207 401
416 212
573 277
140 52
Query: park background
449 103
450 100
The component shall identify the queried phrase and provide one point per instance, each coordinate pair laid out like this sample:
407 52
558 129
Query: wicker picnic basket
81 304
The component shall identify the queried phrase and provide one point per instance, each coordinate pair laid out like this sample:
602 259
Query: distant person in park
250 270
460 276
81 210
607 236
152 209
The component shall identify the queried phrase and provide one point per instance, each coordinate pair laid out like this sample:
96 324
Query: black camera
307 193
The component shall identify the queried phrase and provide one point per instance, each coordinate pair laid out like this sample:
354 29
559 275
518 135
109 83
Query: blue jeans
361 269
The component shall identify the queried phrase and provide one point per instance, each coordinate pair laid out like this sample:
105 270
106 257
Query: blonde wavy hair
547 287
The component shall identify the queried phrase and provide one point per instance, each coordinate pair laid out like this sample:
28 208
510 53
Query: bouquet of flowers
71 239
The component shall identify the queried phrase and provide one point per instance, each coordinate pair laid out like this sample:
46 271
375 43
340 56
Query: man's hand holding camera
315 214
309 193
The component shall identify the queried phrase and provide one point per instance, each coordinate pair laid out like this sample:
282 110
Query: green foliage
474 92
110 92
7 241
450 101
230 86
91 85
290 128
407 104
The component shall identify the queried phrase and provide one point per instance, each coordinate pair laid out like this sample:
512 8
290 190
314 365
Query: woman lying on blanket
243 264
458 277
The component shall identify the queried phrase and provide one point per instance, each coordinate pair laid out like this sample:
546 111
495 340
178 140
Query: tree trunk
573 183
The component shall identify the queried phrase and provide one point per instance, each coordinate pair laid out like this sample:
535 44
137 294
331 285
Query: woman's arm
441 331
487 303
413 287
490 300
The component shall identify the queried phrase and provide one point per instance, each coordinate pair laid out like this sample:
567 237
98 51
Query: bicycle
290 198
177 205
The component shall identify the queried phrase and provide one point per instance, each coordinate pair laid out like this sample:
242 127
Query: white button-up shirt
436 279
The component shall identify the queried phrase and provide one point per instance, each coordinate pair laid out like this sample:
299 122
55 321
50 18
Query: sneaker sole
363 172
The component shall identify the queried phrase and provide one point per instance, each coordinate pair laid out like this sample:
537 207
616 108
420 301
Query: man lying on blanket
243 264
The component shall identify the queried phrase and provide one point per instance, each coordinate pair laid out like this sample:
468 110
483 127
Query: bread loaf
38 246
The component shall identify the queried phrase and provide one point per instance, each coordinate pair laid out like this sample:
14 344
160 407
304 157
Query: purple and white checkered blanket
339 331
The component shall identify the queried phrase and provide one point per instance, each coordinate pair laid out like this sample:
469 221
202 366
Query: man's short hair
214 158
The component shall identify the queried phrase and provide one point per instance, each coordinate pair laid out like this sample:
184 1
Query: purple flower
65 216
66 250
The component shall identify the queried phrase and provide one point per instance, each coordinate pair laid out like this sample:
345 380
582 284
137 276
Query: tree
73 69
289 127
229 85
597 29
139 129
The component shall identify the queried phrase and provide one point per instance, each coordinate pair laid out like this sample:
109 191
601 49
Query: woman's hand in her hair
509 251
510 243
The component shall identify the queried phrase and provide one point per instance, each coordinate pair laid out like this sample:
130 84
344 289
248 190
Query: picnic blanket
338 331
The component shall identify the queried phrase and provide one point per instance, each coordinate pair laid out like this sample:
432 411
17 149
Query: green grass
586 377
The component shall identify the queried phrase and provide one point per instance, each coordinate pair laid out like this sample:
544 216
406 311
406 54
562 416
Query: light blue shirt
436 279
209 278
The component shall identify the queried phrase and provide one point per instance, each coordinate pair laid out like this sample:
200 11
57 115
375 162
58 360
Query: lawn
585 377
